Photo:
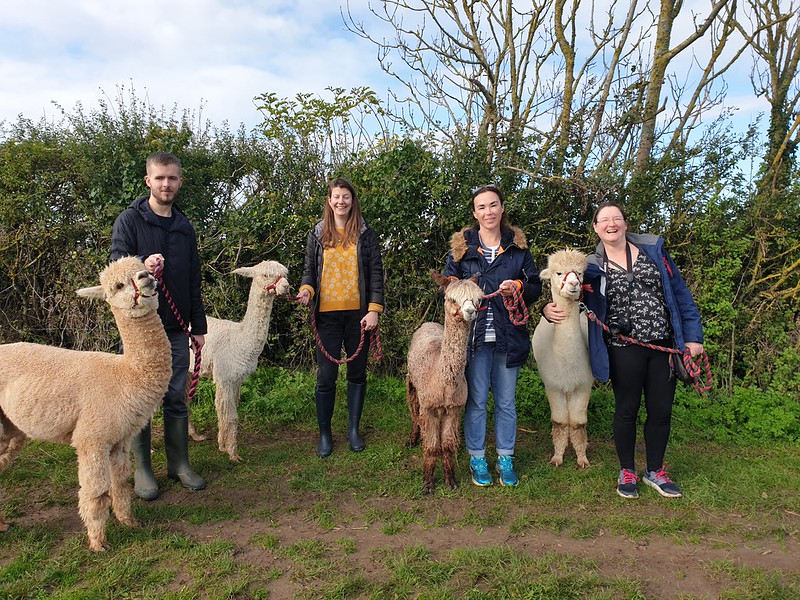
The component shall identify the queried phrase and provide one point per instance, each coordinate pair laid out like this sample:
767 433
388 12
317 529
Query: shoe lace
505 463
629 476
479 464
661 476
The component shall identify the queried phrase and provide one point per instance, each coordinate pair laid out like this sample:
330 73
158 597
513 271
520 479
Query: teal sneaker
505 466
480 471
662 483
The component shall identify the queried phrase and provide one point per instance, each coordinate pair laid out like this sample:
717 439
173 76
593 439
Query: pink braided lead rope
695 366
158 274
375 347
515 305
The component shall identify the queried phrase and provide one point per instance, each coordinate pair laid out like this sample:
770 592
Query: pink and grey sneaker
660 482
626 484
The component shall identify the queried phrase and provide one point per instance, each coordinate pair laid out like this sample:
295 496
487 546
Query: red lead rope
158 274
375 347
694 365
515 305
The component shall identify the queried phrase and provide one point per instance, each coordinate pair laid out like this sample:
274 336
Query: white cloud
218 54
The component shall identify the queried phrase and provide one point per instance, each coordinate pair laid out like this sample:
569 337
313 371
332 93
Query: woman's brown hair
330 235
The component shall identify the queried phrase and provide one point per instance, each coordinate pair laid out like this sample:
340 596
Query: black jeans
337 328
635 369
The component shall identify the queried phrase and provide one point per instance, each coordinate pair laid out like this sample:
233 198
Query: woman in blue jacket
498 254
638 292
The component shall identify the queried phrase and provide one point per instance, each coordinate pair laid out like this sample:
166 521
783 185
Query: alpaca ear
441 279
544 275
245 272
94 293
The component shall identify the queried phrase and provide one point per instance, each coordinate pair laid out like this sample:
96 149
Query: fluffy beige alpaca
232 349
562 356
94 401
436 387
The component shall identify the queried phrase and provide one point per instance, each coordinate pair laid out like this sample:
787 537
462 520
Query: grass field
285 524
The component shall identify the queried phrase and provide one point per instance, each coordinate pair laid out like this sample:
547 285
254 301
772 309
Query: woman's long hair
352 229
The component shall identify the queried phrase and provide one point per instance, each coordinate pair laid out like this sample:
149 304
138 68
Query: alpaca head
564 271
126 285
462 297
269 276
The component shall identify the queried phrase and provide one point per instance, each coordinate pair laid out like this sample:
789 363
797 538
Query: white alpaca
562 356
94 401
232 349
436 387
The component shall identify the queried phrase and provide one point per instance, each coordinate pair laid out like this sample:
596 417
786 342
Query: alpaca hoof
235 457
99 546
4 526
557 461
583 463
428 489
197 437
453 485
413 441
128 522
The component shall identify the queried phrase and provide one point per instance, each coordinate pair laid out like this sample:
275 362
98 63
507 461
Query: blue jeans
488 368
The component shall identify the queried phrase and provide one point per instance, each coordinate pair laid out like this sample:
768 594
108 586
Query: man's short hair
162 158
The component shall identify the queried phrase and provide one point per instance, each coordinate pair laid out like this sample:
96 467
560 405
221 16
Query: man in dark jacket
153 229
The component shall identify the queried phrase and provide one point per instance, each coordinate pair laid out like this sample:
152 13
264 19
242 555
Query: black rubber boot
355 406
144 483
325 402
176 444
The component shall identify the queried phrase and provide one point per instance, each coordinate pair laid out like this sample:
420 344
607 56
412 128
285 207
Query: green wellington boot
356 392
176 444
144 483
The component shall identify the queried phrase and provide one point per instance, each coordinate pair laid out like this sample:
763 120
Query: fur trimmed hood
468 238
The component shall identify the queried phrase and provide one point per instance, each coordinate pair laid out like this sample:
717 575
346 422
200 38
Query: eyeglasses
605 220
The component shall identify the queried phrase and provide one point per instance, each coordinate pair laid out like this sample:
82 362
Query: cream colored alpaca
232 349
562 356
436 387
94 401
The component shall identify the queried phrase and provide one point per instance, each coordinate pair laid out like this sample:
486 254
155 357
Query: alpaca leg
431 448
121 492
94 500
578 408
11 443
451 433
227 401
559 415
560 442
413 408
579 440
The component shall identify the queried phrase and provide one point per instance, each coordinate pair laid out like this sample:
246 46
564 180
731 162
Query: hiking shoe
505 467
626 484
480 471
659 481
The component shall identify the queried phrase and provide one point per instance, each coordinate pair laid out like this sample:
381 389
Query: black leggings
635 369
338 328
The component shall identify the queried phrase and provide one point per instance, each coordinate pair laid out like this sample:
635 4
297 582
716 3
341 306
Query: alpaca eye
120 285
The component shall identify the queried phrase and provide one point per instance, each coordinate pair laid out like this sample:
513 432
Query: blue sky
208 56
211 54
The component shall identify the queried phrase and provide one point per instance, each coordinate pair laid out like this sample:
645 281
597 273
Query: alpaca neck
454 347
143 338
572 310
257 316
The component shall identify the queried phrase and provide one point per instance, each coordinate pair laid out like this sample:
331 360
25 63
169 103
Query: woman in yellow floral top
343 277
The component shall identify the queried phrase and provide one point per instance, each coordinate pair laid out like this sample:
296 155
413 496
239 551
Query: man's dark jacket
138 232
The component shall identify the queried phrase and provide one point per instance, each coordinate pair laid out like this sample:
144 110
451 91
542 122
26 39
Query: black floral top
642 300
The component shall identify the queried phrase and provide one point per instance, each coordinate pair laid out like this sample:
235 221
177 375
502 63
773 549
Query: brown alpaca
231 351
436 388
562 356
94 401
